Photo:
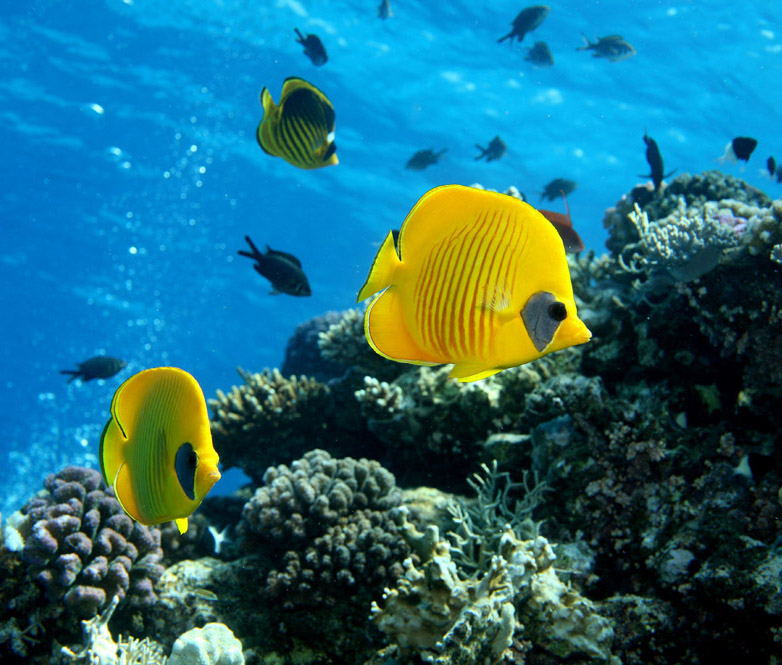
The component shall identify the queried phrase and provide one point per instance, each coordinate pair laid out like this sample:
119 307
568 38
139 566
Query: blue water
131 171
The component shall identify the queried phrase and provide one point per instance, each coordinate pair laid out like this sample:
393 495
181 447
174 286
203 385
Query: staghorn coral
267 418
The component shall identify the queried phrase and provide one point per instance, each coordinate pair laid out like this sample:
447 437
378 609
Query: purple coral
83 549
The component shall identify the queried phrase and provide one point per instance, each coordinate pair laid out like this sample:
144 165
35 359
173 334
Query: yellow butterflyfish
478 279
156 449
300 129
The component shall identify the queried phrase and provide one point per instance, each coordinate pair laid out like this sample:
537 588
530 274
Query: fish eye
557 311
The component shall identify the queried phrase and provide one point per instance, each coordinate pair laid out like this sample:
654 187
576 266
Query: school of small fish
473 278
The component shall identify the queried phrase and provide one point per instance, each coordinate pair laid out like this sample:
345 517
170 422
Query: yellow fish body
479 279
301 128
156 449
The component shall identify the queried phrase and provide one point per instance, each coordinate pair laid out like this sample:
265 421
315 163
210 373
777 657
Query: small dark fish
558 187
771 165
564 226
313 48
655 159
743 147
384 10
281 269
493 151
423 158
779 173
613 48
527 20
540 55
99 367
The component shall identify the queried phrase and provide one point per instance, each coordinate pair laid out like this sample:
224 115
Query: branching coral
268 418
684 246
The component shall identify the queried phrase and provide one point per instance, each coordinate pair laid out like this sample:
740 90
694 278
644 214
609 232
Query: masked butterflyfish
478 279
156 449
300 129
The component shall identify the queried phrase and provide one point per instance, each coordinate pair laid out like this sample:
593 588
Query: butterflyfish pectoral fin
386 333
381 274
181 524
466 372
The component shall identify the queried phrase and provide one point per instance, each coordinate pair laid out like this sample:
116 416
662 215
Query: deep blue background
120 228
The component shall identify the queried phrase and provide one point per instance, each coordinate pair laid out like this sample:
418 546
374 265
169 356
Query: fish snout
576 331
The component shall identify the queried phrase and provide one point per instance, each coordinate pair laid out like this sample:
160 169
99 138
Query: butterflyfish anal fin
381 274
181 524
386 333
466 372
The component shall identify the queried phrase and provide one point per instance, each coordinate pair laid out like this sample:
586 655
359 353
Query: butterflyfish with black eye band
156 449
478 279
300 129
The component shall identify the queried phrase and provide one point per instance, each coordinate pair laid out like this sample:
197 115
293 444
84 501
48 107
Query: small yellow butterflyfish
477 279
300 129
156 449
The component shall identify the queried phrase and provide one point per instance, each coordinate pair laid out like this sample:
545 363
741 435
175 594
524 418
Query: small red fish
564 226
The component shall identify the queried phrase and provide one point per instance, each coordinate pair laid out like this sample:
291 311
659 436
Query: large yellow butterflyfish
478 279
156 449
300 129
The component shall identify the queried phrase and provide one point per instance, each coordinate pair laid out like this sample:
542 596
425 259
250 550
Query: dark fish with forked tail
98 367
528 19
423 158
540 55
655 159
313 48
283 270
558 187
613 47
493 151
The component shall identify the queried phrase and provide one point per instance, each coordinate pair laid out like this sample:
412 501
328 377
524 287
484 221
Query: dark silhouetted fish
655 159
99 367
423 158
540 55
384 9
613 48
300 129
779 173
558 187
313 48
771 165
564 226
743 147
527 20
493 151
281 269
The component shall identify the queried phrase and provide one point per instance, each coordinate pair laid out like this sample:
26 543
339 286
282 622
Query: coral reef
515 603
303 355
80 550
214 644
267 419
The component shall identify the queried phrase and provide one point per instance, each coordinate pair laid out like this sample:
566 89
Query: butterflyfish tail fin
383 267
386 332
181 524
466 372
